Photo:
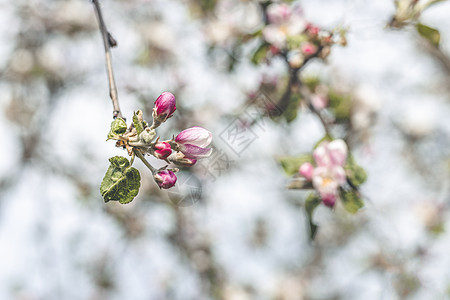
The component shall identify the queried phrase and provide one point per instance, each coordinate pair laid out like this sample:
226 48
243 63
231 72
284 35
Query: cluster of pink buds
188 146
182 151
329 173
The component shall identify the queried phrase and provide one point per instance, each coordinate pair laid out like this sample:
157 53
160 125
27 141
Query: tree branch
108 42
146 163
306 95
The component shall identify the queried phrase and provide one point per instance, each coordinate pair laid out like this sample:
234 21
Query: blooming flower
284 21
331 153
164 107
162 150
278 13
165 179
193 142
329 174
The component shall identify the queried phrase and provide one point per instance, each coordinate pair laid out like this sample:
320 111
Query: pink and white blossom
326 180
331 154
278 13
193 142
284 21
329 173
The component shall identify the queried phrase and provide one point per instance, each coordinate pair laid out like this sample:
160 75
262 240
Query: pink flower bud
329 199
162 150
306 170
165 179
319 101
312 29
164 106
193 142
308 49
181 160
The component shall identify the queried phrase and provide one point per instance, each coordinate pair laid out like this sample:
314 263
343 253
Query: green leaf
118 127
311 203
121 182
311 82
290 114
138 122
295 41
429 33
355 173
341 105
290 164
260 53
351 200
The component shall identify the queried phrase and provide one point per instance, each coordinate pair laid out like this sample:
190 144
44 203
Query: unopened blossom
319 101
162 150
193 142
312 30
181 160
306 170
308 49
295 59
164 107
165 179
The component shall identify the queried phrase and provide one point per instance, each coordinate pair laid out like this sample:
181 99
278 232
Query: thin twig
146 163
108 42
306 95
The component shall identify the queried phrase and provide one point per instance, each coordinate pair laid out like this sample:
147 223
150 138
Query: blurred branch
306 95
108 42
442 57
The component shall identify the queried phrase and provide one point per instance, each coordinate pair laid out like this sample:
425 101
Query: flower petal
192 151
338 152
320 155
196 136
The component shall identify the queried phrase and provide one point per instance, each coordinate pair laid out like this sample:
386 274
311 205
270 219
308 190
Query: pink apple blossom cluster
328 174
182 151
292 36
188 146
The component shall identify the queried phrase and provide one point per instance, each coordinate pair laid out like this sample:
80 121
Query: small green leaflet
351 200
290 164
311 203
121 182
118 127
355 173
429 33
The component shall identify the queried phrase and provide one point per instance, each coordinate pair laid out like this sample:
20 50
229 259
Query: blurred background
229 229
